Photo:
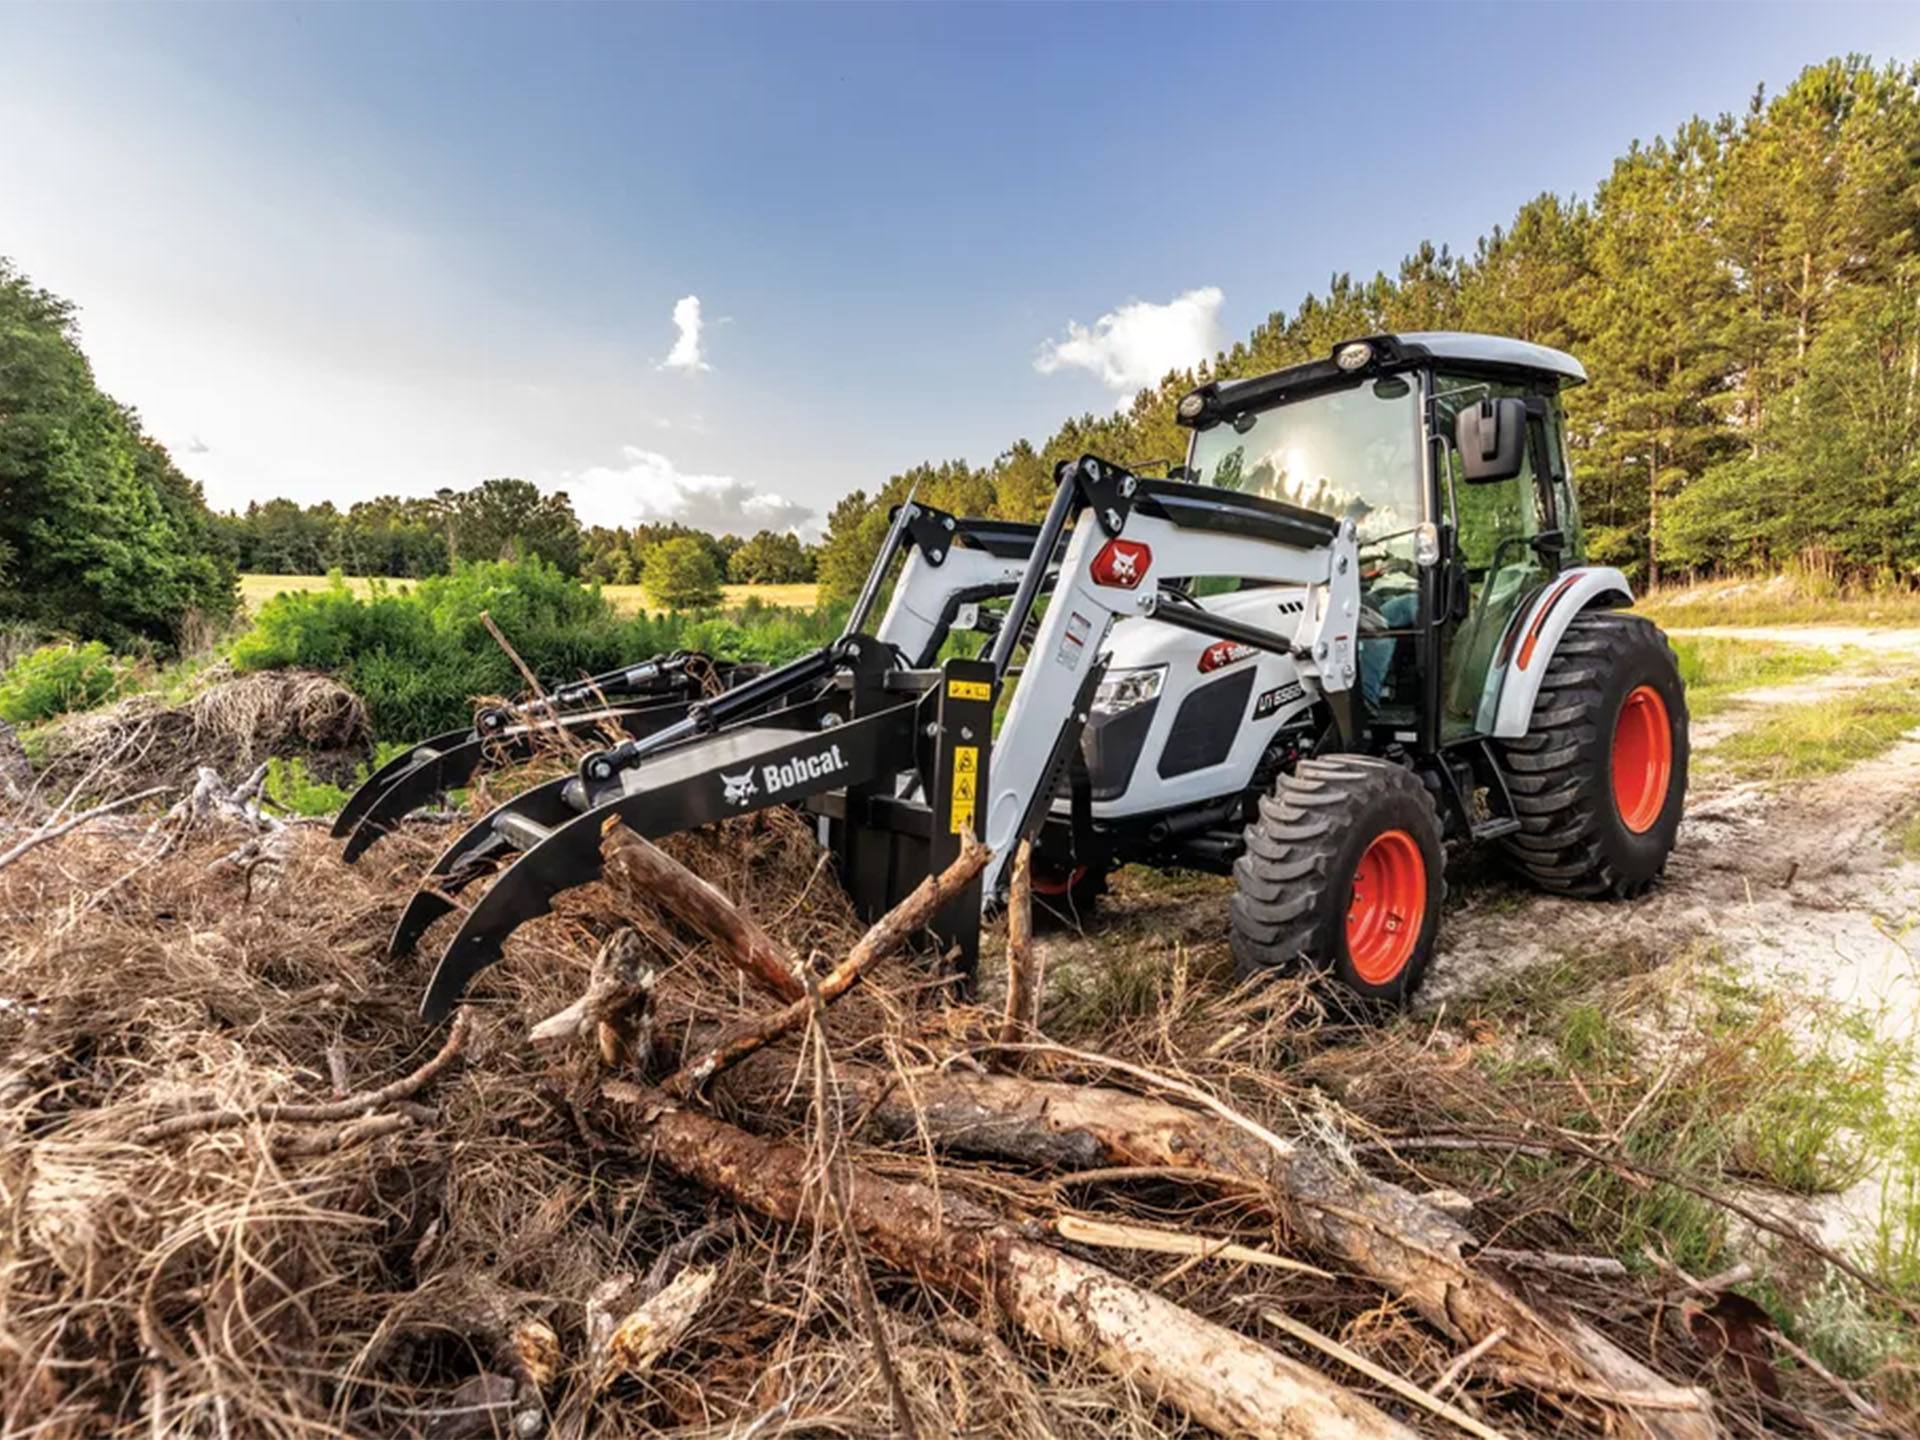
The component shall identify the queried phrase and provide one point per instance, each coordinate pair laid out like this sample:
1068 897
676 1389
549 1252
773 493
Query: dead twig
351 1108
1456 1372
1596 1266
834 1179
73 822
1399 1384
534 687
1113 1235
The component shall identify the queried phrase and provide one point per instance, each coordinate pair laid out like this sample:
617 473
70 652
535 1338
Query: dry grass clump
230 722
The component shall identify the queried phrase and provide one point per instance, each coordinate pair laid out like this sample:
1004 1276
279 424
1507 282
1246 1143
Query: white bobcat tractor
1353 625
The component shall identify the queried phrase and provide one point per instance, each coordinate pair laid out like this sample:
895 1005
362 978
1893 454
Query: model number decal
1074 641
1272 700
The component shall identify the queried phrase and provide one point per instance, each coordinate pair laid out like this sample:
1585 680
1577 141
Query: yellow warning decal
966 781
969 690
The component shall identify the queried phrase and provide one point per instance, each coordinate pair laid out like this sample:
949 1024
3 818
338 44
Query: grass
1907 836
1716 669
1822 737
256 590
1684 1067
1780 600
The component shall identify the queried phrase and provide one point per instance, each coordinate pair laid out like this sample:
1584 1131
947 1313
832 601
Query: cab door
1505 547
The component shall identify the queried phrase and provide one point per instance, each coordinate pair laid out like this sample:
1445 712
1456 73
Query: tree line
500 519
1745 294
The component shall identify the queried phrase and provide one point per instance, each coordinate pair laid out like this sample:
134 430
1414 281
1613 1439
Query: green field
256 590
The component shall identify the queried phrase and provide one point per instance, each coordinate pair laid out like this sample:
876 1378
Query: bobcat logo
1124 572
739 788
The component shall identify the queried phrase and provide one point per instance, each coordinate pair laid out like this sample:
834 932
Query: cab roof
1495 356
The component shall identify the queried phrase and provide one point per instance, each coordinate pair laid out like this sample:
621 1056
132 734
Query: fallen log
887 934
1380 1230
691 900
1218 1377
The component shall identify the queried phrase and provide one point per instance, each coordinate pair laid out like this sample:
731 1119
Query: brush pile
228 722
723 1161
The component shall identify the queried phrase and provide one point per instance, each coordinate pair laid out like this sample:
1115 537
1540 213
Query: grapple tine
377 784
462 861
458 760
524 891
448 770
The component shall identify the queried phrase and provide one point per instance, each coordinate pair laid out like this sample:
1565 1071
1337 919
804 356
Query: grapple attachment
808 753
734 773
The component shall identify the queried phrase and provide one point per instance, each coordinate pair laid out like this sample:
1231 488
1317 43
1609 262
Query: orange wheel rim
1642 759
1388 908
1051 882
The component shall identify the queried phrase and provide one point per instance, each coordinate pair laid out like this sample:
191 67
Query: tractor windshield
1339 452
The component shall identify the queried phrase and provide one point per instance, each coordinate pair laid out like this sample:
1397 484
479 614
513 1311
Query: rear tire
1342 875
1599 780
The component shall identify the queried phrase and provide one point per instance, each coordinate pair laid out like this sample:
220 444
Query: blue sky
341 251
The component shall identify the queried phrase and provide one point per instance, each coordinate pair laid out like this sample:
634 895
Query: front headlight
1124 689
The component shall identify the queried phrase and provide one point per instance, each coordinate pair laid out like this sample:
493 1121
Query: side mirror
1492 439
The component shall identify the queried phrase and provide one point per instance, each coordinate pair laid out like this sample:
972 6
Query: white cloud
648 486
1134 346
685 354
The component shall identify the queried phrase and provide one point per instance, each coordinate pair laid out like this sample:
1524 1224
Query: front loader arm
1128 532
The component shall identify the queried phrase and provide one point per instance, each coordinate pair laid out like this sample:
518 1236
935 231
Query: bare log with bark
694 902
887 934
1218 1377
1378 1228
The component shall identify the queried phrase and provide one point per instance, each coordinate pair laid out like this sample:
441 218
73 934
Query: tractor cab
1448 453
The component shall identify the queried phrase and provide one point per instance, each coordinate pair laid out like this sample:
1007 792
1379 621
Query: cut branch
351 1108
1379 1229
615 1005
652 872
1218 1377
891 931
1022 1018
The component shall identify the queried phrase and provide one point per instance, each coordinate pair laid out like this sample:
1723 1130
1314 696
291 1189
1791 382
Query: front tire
1067 894
1342 875
1599 780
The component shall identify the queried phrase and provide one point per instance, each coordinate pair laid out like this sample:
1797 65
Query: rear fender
1506 706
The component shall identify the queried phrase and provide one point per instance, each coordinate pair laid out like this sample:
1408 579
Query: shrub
56 679
681 575
419 654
